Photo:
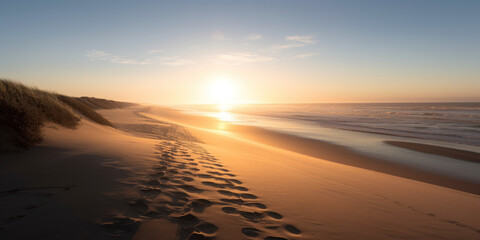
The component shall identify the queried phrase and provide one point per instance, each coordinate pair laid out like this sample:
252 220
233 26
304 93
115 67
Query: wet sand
438 150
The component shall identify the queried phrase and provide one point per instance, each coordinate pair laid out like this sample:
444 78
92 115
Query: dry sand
167 175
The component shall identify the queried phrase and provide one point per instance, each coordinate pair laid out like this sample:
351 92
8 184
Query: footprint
157 174
188 219
121 223
178 194
197 236
234 201
190 188
223 180
139 205
207 228
212 184
204 176
229 210
250 232
153 214
228 193
275 238
248 196
243 189
152 182
199 205
160 168
176 181
164 178
188 179
164 211
257 205
151 190
177 203
234 181
215 173
180 161
274 215
292 229
181 166
252 216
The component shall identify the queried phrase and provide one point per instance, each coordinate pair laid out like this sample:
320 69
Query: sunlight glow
224 116
222 92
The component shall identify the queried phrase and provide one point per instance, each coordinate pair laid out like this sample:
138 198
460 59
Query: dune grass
98 103
25 110
84 109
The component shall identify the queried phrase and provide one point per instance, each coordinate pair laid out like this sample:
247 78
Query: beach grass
25 110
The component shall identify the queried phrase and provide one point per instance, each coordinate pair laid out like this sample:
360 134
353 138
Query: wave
449 122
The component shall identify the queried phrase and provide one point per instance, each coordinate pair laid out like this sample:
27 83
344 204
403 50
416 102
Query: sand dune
166 175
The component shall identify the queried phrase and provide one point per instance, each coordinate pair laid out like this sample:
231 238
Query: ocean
364 127
447 122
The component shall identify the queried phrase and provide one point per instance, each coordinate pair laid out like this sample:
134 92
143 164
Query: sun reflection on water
224 115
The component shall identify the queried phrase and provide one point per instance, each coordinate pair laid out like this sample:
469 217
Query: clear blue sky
273 51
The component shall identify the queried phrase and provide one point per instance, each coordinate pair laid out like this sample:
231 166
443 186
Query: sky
171 52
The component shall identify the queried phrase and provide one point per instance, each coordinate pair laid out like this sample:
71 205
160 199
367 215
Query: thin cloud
219 36
295 42
240 58
301 38
175 61
155 51
97 55
254 36
286 46
305 55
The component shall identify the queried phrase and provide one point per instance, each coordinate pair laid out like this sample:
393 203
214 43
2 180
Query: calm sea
446 122
364 127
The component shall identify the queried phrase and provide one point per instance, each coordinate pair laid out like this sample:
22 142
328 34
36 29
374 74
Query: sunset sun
222 91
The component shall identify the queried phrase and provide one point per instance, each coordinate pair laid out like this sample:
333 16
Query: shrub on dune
84 109
24 111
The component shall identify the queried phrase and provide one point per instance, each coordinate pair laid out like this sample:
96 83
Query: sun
222 91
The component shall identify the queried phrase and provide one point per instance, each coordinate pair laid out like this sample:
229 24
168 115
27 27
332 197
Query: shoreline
331 195
438 150
309 120
316 148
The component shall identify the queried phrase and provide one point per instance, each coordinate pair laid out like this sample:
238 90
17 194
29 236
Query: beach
240 120
167 174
